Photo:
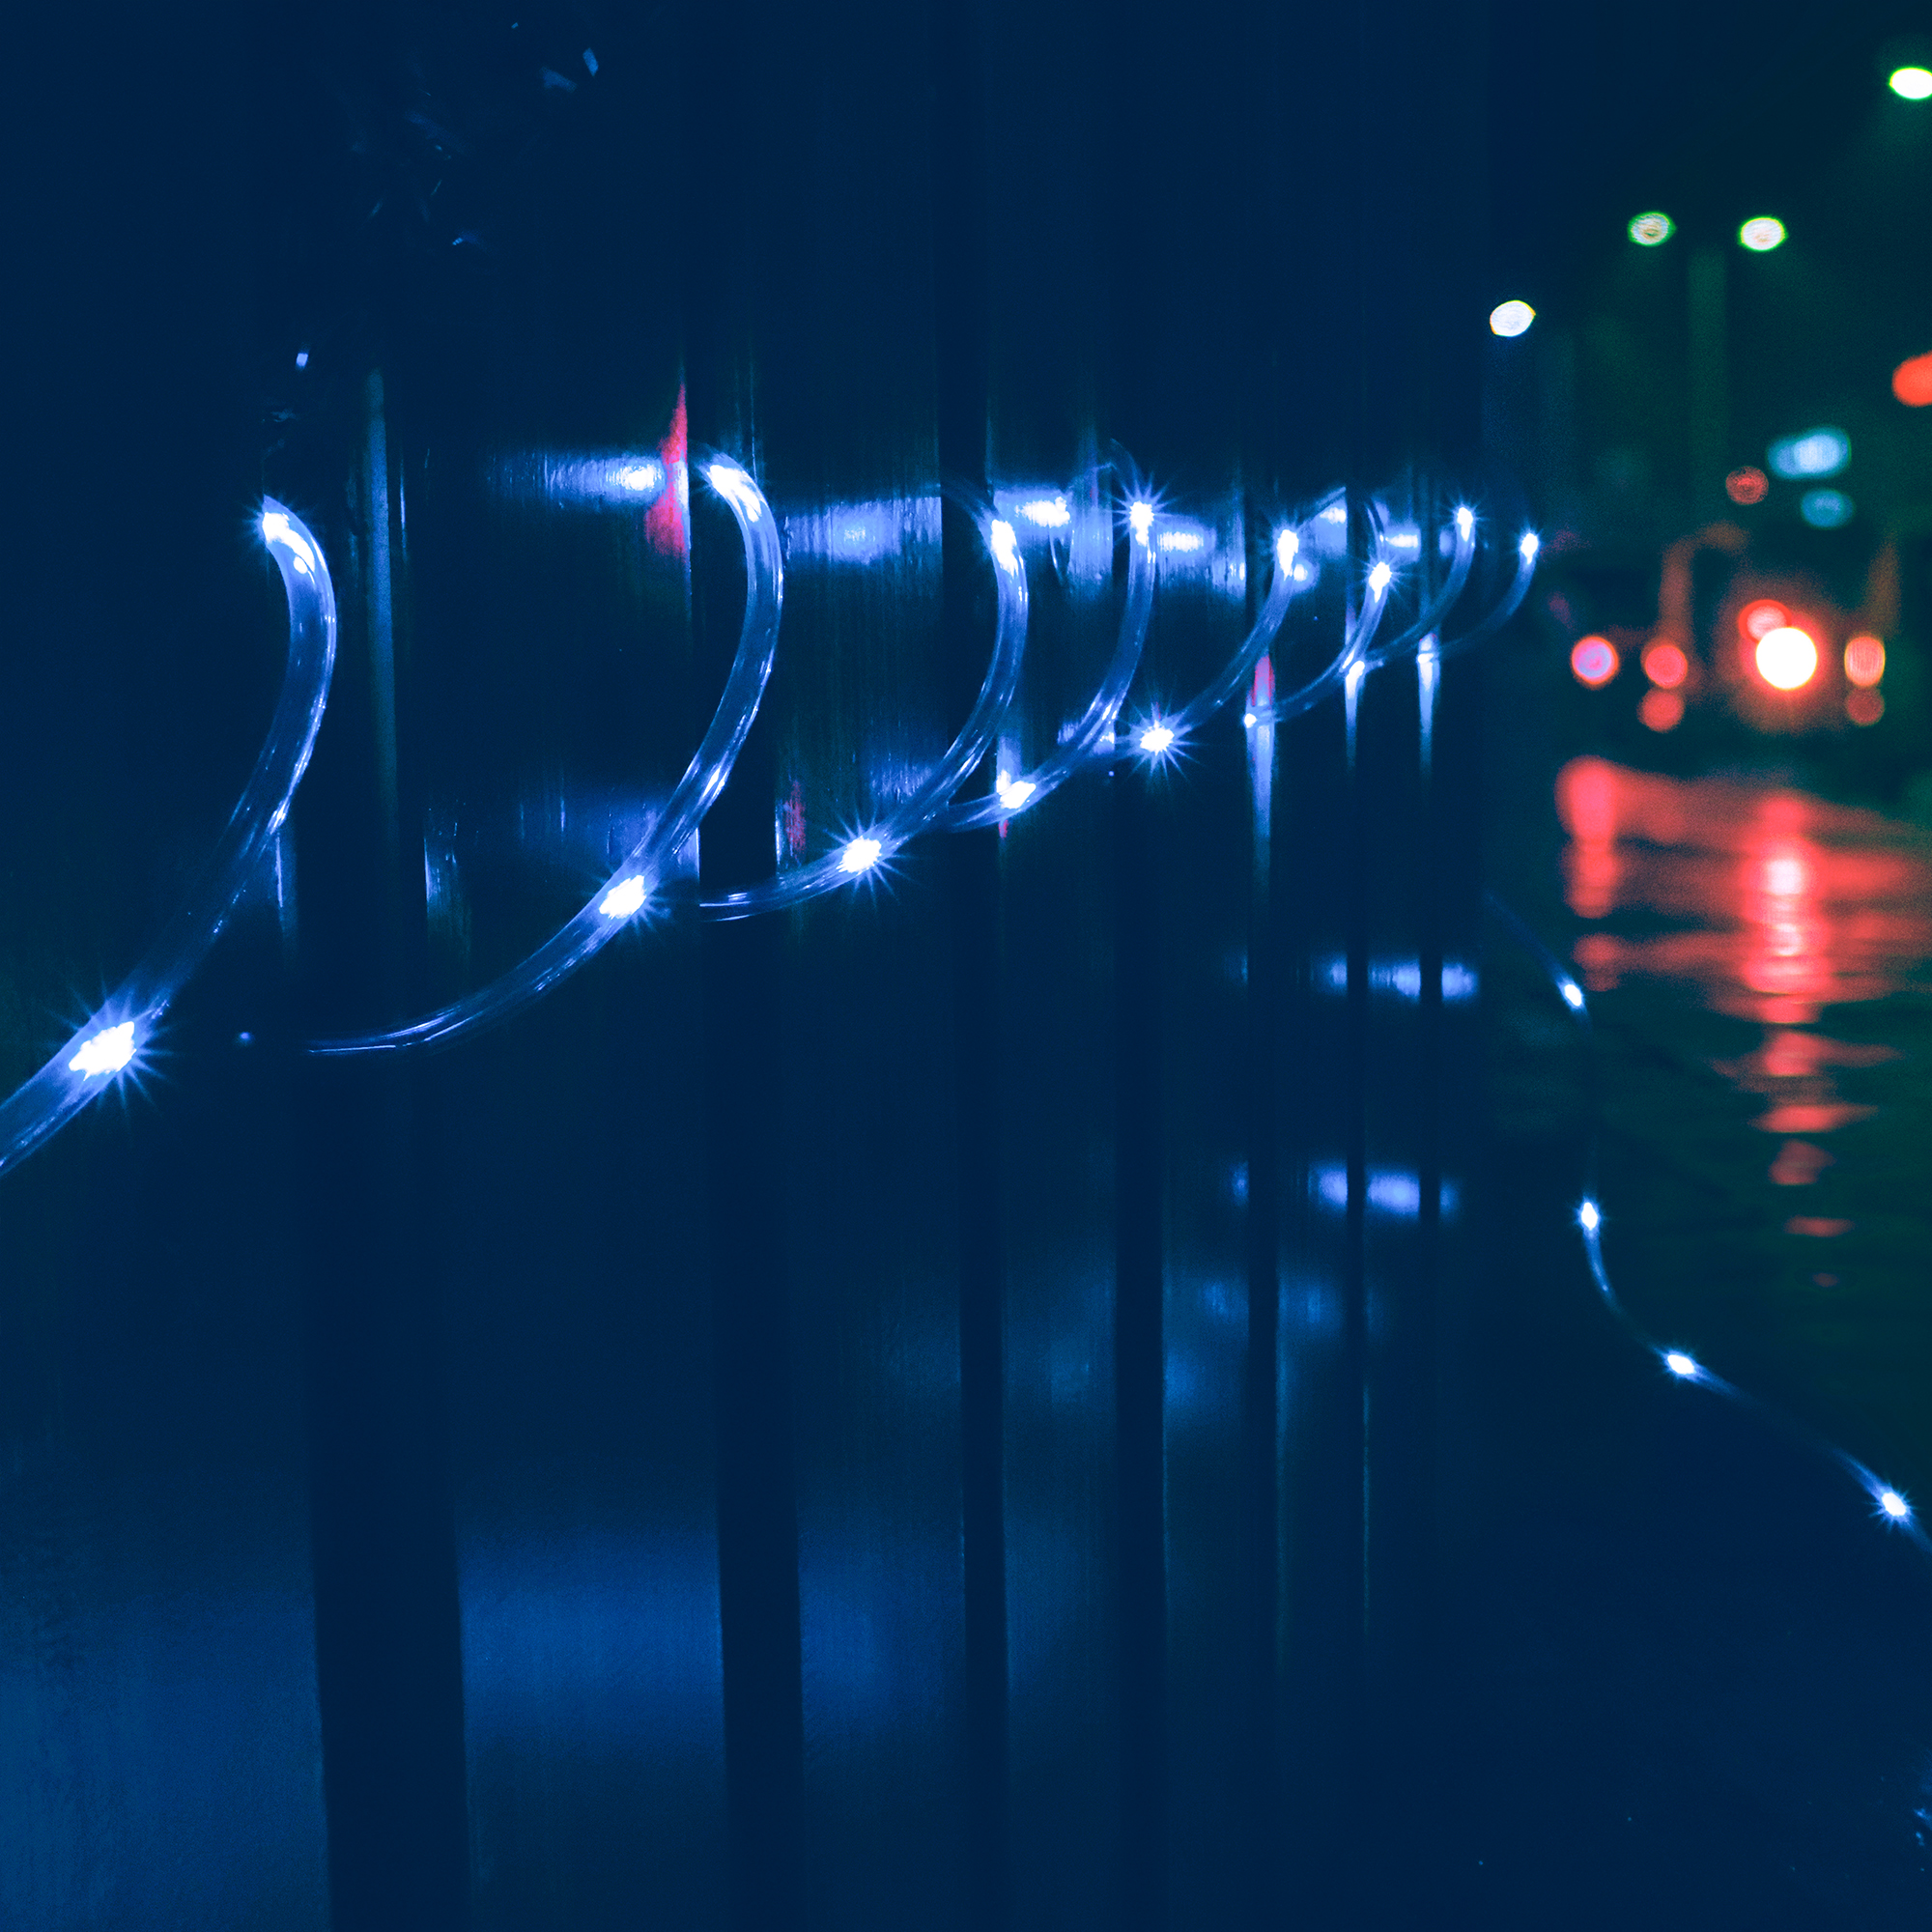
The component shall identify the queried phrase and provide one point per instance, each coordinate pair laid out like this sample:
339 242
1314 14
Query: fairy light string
113 1041
1890 1505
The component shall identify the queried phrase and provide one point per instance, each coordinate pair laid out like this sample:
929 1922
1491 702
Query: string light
626 892
934 804
1091 735
1892 1507
110 1044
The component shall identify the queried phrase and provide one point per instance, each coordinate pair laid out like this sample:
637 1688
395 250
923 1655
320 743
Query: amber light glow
1755 619
1864 707
1594 661
1864 661
1665 664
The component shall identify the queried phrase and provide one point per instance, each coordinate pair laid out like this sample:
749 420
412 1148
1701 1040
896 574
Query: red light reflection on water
1789 904
1781 905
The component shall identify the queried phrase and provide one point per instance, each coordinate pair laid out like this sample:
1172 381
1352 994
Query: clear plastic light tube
926 806
1528 547
1888 1506
1091 737
114 1039
1355 647
1240 668
1463 528
1357 638
627 892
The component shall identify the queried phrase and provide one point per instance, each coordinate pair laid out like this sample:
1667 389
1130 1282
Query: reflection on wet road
1779 906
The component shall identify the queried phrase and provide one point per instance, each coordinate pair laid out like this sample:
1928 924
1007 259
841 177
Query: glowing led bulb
1248 718
1531 543
861 855
108 1052
1285 546
1761 233
1379 577
1588 1218
1465 523
1911 83
1000 538
1573 995
1141 517
737 489
1786 658
1679 1365
1050 513
623 899
1652 230
1893 1505
1511 318
1156 738
1013 792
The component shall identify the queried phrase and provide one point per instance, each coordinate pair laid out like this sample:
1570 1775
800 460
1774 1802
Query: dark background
862 1417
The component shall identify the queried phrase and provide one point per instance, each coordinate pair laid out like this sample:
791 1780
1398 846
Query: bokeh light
1747 485
1786 658
1864 707
1652 230
1826 509
1664 662
1511 318
1761 233
1661 710
1821 452
1757 618
1912 83
1594 661
1912 381
1864 661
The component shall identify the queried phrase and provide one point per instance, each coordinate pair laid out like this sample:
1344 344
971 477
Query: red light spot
1747 485
1594 661
1814 1225
1661 710
1801 1117
663 521
1864 661
1665 664
1755 619
1864 707
1912 381
1799 1164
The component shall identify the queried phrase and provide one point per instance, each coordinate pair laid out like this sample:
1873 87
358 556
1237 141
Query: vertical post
1709 431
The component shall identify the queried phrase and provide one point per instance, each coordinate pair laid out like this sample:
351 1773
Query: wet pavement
1688 1677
